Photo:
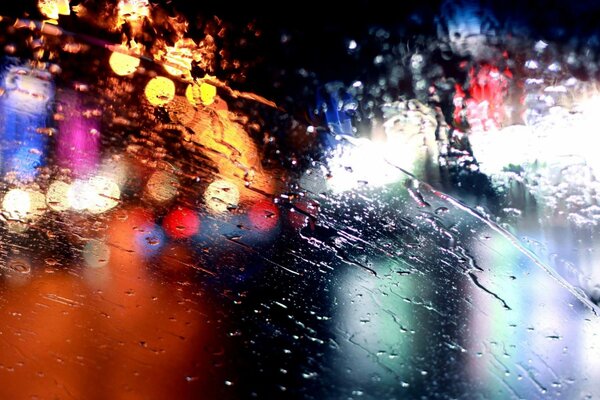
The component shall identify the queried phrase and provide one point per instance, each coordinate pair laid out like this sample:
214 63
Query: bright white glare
559 137
360 163
23 205
531 64
96 195
16 205
404 141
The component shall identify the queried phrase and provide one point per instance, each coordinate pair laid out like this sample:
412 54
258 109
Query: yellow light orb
57 196
191 93
49 9
207 93
123 64
162 186
160 90
221 196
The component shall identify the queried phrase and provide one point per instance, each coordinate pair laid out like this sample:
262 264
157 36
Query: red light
484 107
306 209
181 223
264 215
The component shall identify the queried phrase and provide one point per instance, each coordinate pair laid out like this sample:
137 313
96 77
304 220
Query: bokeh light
123 64
96 195
54 8
221 196
162 186
181 223
160 91
23 205
149 239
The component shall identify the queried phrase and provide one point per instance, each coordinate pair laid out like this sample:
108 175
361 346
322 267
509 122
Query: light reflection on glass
23 119
78 141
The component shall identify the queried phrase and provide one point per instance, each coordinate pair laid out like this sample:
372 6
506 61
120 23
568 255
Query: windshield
205 202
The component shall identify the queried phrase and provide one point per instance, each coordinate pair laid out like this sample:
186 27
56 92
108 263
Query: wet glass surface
203 207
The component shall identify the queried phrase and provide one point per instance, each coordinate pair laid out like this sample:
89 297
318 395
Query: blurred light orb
208 93
106 194
149 239
202 92
221 196
123 64
264 215
181 223
160 91
23 205
162 186
57 196
96 195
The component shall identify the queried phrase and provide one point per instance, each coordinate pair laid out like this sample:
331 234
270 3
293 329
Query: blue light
337 106
24 112
149 240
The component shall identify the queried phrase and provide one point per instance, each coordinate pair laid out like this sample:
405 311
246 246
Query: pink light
78 144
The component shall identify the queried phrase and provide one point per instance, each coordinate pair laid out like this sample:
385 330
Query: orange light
160 91
178 58
53 8
207 93
132 10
